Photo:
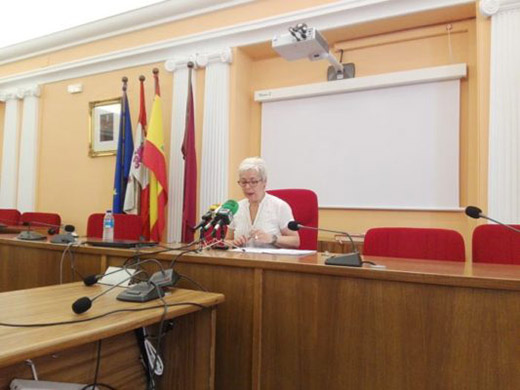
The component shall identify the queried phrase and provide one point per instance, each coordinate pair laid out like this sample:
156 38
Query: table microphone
352 259
81 305
475 212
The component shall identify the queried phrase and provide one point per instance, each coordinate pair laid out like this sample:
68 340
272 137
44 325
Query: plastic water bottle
108 226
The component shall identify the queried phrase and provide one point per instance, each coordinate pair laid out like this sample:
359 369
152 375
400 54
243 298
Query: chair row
490 244
13 217
304 204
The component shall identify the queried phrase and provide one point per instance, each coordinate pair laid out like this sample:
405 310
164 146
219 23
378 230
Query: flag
190 170
125 148
136 201
155 160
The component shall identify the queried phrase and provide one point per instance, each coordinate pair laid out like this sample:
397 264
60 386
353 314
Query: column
27 168
176 166
215 132
504 122
9 172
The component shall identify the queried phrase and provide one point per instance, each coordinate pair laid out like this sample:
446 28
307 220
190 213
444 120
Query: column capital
201 60
225 56
8 94
177 63
30 90
492 7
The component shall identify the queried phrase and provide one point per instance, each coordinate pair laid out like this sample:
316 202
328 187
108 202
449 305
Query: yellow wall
390 52
70 182
75 185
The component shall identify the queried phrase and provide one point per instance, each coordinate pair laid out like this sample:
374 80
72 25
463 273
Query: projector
310 45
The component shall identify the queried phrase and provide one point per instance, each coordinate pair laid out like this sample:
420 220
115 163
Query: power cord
47 324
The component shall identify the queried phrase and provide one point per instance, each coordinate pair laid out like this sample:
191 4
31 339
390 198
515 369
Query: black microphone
55 229
476 213
352 259
207 217
81 305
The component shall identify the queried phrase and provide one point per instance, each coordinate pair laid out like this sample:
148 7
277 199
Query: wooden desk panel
27 266
371 334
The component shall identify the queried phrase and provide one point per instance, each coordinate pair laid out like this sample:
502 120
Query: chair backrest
10 216
495 244
47 220
415 243
126 226
304 205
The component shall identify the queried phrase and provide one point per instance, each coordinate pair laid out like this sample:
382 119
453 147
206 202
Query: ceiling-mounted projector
307 42
295 47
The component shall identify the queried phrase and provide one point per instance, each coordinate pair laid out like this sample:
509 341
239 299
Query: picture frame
104 117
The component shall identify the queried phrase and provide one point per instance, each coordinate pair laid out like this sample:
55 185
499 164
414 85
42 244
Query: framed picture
104 127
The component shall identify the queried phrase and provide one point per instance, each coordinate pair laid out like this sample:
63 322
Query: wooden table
67 352
294 323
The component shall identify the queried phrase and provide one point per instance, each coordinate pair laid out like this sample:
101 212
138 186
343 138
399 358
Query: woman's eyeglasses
252 183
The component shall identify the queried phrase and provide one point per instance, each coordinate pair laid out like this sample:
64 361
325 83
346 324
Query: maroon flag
190 170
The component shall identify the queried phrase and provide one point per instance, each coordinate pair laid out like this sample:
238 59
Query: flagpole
139 188
156 78
122 160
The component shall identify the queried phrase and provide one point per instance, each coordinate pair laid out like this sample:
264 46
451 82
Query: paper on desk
114 275
275 251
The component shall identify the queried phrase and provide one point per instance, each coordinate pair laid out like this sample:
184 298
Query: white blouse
272 217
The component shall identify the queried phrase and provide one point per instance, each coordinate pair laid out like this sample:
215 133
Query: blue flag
125 150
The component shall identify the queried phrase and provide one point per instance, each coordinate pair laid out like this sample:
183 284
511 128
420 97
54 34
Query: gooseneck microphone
223 215
81 305
207 217
352 259
476 213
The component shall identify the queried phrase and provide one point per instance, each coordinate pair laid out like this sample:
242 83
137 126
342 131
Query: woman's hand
261 236
240 241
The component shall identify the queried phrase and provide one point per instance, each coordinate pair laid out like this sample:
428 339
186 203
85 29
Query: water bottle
108 226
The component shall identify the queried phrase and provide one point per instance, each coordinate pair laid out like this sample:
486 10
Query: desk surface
479 275
53 304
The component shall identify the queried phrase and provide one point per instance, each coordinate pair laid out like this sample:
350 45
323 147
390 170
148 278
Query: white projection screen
390 148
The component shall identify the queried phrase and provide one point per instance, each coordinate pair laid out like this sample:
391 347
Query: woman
261 220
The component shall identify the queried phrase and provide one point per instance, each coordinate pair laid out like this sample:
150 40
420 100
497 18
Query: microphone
476 213
207 217
30 235
55 229
81 305
223 215
352 259
66 238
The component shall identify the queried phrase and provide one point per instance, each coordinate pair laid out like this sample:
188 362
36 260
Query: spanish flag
155 160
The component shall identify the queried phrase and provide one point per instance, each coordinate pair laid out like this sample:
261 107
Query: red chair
495 244
10 217
47 220
304 205
126 226
415 243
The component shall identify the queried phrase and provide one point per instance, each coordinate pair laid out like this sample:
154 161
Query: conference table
67 352
292 322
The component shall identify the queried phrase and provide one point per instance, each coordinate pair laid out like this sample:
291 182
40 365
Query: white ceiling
23 20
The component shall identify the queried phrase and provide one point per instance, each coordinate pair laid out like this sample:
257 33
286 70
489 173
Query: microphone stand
500 223
352 259
29 235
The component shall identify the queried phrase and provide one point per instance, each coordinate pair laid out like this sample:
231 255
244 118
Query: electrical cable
202 288
47 324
